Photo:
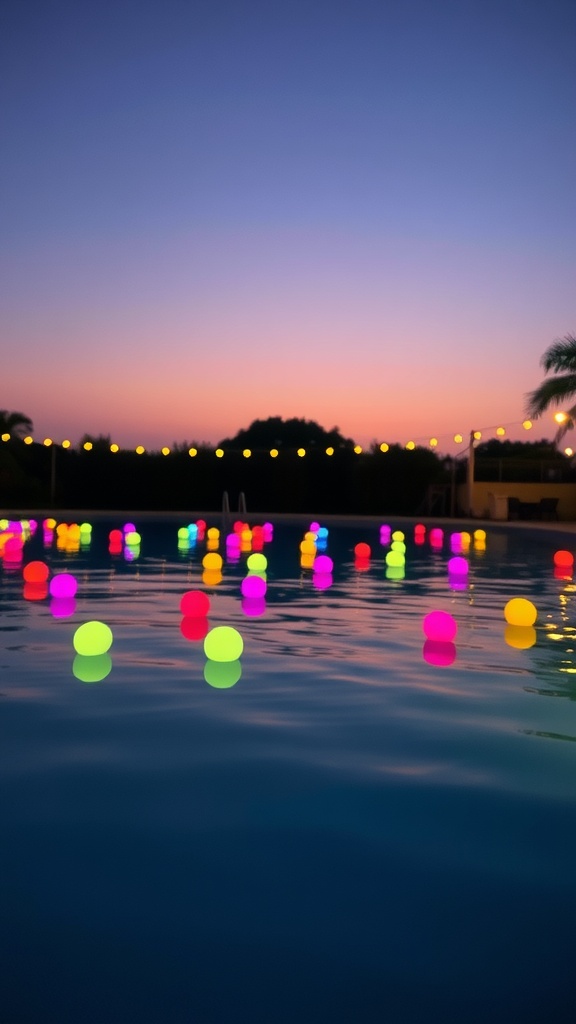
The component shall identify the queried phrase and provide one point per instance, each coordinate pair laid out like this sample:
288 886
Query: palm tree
561 358
15 423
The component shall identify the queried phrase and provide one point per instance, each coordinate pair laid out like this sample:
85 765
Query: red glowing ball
36 572
564 559
362 550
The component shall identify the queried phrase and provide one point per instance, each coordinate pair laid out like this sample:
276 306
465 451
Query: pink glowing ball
323 563
436 536
195 604
457 566
439 652
253 586
64 584
13 548
439 625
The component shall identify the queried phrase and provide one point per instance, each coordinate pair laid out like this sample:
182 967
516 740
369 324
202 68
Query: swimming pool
354 831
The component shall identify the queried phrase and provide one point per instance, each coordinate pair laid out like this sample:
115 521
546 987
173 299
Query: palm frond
561 355
553 392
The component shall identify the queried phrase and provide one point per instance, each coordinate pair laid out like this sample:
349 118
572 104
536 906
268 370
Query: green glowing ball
92 638
395 558
92 668
257 562
223 643
222 674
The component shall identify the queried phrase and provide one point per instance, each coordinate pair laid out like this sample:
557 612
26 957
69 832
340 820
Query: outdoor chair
547 508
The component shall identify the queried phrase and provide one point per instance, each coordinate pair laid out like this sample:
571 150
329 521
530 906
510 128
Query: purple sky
359 213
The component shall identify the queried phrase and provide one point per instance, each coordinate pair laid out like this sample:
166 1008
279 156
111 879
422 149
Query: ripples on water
348 834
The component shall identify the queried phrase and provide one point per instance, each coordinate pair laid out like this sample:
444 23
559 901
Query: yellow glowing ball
92 638
132 538
520 612
521 637
479 534
223 643
213 533
398 535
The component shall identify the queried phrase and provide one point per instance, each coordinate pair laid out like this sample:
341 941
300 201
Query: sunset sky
213 211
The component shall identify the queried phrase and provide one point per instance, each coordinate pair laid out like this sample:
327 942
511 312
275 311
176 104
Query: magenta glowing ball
195 604
458 566
436 536
323 563
439 625
253 607
62 607
322 580
129 528
439 652
64 584
253 586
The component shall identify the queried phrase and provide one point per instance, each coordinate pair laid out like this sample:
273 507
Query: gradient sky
213 211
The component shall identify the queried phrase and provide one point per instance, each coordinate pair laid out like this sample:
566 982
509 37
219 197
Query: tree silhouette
17 424
293 433
561 358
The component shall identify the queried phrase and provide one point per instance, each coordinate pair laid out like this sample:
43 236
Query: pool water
355 830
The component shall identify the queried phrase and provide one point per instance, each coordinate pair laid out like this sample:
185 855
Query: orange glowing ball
212 562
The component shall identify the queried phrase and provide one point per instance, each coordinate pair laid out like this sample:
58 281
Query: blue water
348 834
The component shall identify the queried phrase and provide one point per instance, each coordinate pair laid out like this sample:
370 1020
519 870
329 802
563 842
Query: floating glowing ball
307 547
323 563
480 535
395 558
456 542
183 533
439 652
398 535
211 577
458 566
85 528
63 585
49 523
322 580
564 559
257 563
419 528
74 532
395 572
129 528
132 538
212 562
362 550
223 643
195 603
194 627
253 607
115 536
253 586
222 675
436 536
362 564
62 607
439 625
213 533
92 669
36 572
519 611
398 545
521 637
307 561
35 591
92 638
